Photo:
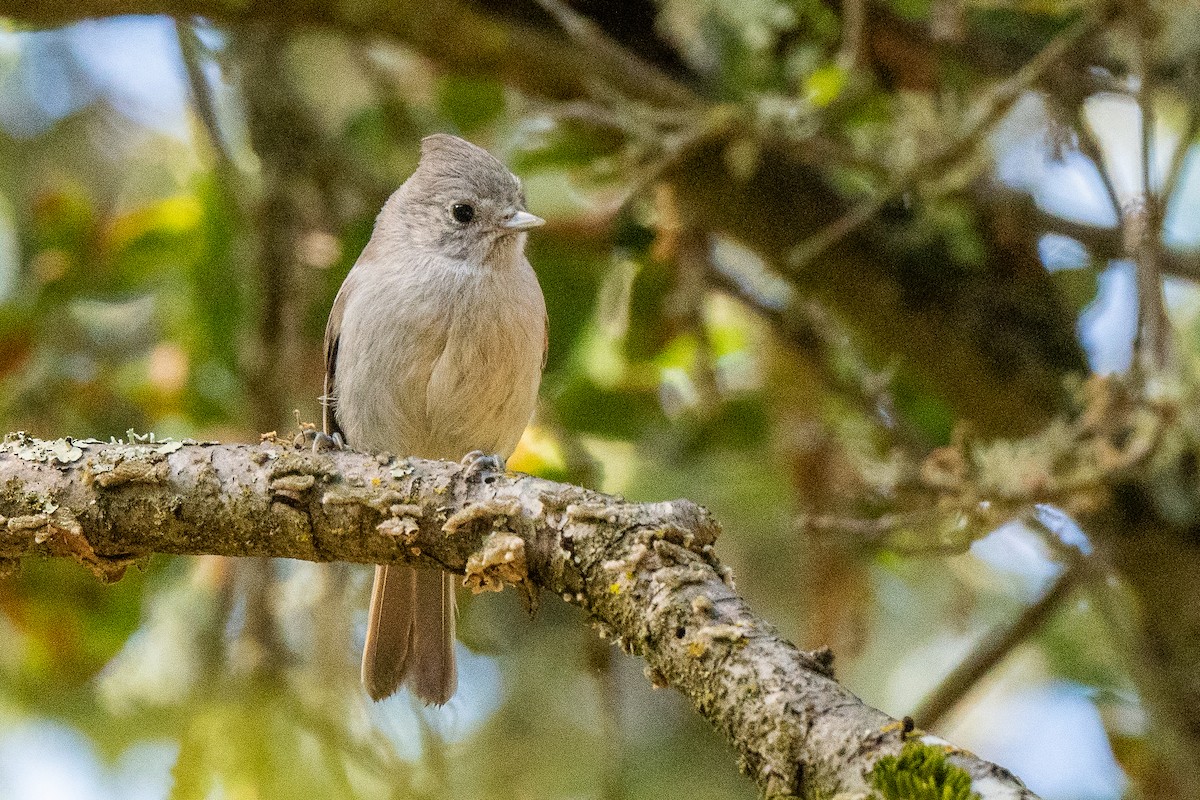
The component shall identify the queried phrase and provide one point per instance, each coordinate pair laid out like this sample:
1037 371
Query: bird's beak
522 221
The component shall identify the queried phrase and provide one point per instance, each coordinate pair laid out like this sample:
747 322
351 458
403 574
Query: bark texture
646 572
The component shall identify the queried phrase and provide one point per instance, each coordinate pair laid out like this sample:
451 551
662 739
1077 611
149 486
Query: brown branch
1190 129
992 650
458 35
1089 146
910 54
618 61
645 572
1104 243
958 341
854 21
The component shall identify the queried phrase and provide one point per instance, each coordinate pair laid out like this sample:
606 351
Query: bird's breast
440 362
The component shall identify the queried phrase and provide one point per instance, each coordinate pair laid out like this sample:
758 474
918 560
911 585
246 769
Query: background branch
997 645
877 275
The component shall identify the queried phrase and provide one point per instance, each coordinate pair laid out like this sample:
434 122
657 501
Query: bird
434 348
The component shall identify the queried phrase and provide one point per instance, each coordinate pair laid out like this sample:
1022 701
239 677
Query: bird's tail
410 634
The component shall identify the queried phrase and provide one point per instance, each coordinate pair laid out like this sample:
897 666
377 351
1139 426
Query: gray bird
434 348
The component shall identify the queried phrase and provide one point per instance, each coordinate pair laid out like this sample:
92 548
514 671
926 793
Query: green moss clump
920 772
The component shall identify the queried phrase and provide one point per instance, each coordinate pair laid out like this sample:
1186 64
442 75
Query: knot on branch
59 534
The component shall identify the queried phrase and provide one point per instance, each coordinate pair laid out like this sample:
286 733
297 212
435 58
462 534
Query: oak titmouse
434 348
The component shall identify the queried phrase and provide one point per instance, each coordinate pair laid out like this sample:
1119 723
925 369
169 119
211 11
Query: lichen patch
501 560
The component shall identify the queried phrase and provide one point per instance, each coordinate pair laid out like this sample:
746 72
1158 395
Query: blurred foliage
138 256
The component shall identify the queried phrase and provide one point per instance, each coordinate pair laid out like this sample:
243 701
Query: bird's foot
324 441
478 461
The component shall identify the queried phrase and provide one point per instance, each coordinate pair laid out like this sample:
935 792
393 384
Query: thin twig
993 649
808 328
1089 146
1190 131
1103 242
823 151
823 240
1145 653
987 113
590 37
714 124
865 531
191 49
1150 346
854 18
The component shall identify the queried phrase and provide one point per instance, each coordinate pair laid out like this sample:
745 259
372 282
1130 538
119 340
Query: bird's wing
333 332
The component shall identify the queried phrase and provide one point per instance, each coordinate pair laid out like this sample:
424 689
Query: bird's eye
462 212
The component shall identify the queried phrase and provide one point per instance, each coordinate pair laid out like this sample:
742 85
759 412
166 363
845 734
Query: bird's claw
324 441
478 461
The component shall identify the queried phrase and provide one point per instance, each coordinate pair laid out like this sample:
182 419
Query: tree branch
459 35
1151 344
993 649
1102 243
645 572
981 119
